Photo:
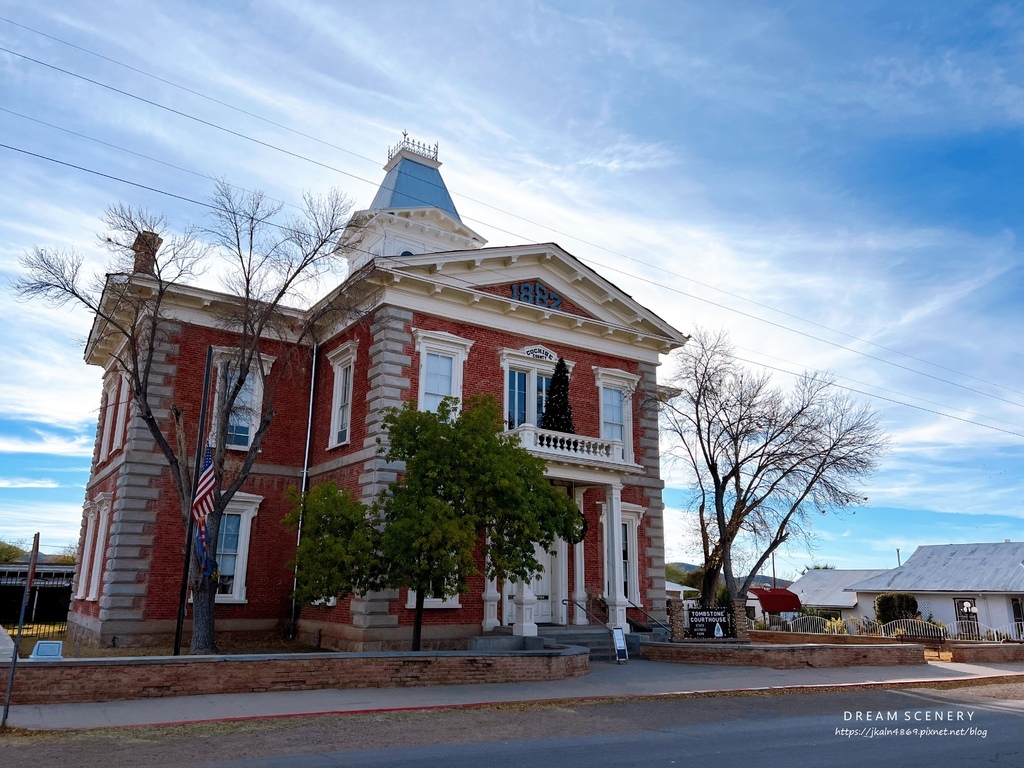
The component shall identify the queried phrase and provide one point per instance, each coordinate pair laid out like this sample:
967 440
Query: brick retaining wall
993 653
784 656
107 679
795 638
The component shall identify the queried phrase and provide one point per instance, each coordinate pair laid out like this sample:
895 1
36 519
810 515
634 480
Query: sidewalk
637 678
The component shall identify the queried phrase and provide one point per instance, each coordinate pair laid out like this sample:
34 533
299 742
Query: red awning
776 600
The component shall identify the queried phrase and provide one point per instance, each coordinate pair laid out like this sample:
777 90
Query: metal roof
825 587
954 568
409 184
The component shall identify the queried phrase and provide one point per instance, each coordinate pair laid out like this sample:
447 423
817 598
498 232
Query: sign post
21 627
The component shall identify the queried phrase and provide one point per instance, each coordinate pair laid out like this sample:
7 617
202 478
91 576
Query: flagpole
191 520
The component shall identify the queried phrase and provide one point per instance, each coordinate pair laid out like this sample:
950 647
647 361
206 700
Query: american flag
202 505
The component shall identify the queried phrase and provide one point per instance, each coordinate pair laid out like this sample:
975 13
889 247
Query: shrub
836 626
892 606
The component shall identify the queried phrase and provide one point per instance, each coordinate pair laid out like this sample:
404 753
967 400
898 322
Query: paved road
791 731
785 732
788 732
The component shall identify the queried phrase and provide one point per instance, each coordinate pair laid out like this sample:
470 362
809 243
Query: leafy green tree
891 606
676 574
467 488
10 553
337 554
468 491
557 414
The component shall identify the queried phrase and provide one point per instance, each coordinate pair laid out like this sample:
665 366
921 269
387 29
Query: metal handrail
566 602
645 613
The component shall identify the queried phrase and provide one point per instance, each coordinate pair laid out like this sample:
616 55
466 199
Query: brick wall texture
784 656
82 680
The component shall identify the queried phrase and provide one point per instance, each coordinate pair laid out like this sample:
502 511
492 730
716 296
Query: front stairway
597 639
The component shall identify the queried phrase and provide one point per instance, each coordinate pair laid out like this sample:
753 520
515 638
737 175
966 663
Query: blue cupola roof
413 180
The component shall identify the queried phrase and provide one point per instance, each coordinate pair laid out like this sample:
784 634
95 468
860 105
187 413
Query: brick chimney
145 246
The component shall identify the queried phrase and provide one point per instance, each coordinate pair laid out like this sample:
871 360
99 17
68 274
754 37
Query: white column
524 601
560 577
613 557
579 587
491 598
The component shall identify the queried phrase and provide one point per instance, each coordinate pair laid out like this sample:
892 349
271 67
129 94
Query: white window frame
632 516
109 401
533 360
88 545
341 358
122 413
625 382
224 356
432 602
446 345
246 505
102 506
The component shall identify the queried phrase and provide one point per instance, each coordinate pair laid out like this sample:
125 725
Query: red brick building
441 315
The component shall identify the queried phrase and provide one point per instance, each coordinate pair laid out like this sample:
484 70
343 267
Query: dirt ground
253 739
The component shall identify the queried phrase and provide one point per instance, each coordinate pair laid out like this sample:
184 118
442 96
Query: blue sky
835 184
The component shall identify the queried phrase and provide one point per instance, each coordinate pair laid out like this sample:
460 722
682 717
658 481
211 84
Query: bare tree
762 459
269 263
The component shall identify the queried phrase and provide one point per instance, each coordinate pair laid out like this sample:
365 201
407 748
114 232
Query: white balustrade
566 447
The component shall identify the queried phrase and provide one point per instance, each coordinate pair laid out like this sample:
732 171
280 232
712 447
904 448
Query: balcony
579 450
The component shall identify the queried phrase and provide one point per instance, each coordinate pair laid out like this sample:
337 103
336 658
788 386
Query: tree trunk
204 593
709 586
417 626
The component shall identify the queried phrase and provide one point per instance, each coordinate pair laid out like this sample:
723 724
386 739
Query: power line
139 154
354 176
874 386
892 400
488 205
765 365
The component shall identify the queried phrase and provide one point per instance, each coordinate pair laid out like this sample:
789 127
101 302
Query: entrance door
541 587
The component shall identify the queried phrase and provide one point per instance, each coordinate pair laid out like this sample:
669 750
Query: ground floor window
233 547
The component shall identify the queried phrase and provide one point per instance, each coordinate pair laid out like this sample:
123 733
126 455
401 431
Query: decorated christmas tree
557 411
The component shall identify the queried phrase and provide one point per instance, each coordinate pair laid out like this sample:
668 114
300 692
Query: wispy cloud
24 482
48 443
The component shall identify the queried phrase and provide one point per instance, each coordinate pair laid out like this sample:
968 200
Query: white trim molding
246 506
101 505
224 356
615 379
442 344
534 360
343 364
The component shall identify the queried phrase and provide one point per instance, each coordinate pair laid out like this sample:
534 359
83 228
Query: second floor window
240 421
521 409
612 419
438 371
343 361
244 418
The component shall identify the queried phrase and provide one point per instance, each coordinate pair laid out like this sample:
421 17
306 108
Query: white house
827 589
983 583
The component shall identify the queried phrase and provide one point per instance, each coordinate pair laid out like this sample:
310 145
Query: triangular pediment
540 278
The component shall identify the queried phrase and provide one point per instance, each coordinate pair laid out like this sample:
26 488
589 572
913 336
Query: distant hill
686 566
759 581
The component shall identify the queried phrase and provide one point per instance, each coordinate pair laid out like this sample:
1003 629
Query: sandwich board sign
619 646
